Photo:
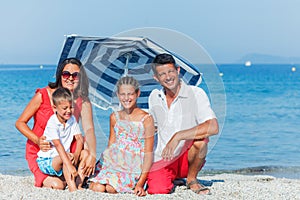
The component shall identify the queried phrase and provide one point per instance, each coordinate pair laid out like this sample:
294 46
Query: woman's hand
44 144
88 165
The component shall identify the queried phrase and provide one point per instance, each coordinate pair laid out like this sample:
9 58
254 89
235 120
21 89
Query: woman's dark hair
82 90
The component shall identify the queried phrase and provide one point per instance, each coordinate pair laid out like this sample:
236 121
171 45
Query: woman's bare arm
27 114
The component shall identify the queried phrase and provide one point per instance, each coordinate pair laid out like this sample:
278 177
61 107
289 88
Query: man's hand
168 151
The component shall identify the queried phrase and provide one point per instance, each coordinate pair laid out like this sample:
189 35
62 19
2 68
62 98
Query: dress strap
45 94
117 115
145 117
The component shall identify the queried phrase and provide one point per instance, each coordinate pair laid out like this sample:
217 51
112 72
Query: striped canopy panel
107 59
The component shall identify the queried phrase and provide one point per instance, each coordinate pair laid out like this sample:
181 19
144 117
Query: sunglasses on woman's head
67 74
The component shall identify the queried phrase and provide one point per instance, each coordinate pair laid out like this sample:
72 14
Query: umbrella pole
128 56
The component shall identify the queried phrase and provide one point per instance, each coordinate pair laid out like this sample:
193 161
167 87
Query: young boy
60 130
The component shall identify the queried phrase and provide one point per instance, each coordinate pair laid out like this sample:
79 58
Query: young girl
125 163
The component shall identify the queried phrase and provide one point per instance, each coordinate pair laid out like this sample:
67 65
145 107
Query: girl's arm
90 138
148 157
28 113
112 135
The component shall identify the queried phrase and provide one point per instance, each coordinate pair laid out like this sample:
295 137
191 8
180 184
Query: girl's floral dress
121 163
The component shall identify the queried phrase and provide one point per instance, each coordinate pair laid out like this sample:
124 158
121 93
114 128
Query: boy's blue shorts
45 165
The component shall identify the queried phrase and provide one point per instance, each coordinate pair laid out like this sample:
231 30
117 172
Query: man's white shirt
190 108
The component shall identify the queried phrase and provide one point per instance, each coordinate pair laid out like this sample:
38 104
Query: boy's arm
64 157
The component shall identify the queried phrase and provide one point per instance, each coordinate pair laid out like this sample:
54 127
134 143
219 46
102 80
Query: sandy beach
223 186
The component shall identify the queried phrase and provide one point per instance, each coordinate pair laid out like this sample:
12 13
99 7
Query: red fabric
77 110
40 121
163 173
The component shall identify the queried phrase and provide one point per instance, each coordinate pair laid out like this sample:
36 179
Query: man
184 121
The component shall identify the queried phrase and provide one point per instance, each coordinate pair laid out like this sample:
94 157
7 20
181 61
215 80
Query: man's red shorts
163 173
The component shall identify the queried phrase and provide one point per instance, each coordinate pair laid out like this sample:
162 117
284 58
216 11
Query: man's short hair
162 59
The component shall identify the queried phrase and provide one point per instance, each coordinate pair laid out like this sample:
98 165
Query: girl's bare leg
97 187
110 189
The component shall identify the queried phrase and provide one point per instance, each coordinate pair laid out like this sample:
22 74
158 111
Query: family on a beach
146 152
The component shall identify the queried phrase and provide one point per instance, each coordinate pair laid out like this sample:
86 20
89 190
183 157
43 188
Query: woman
69 74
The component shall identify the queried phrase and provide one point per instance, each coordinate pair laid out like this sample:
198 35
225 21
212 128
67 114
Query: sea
259 118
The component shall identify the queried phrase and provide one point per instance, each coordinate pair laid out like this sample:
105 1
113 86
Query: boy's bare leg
54 183
57 165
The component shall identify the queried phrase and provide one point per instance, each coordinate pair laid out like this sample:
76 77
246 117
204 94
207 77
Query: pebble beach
223 186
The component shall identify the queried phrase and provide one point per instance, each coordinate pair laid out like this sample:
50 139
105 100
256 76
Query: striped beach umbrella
107 59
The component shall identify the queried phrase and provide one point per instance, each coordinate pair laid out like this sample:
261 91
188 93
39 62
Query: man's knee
160 186
200 148
199 144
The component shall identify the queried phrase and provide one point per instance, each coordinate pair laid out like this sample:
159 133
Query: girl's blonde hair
128 80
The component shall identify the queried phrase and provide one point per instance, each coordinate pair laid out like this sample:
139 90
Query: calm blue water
260 134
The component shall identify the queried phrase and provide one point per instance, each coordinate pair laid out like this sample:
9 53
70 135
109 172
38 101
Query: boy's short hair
162 59
61 94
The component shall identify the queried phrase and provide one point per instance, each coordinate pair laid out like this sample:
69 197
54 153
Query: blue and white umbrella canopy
107 59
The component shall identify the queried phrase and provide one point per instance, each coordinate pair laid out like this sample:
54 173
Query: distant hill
270 59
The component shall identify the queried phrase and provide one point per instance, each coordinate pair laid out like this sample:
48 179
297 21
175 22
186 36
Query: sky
33 31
